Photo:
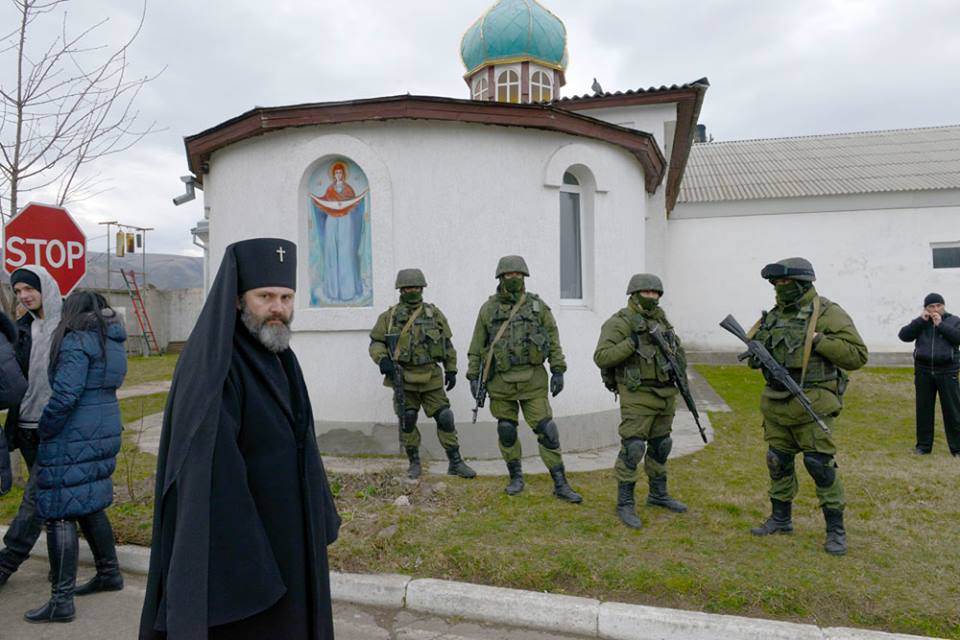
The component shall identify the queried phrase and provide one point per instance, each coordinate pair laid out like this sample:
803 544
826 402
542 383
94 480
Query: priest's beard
275 337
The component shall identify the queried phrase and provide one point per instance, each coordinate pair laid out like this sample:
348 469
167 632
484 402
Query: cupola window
481 88
541 88
508 86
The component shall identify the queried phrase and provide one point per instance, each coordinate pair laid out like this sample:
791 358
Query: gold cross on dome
280 253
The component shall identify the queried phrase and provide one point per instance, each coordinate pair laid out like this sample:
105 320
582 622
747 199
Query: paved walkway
116 616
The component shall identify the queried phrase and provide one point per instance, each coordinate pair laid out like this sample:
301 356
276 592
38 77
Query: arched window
541 88
481 88
508 86
571 240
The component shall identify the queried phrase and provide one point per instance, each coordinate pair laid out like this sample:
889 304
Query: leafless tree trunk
66 104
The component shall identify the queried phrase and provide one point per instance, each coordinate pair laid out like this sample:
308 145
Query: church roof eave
689 100
262 120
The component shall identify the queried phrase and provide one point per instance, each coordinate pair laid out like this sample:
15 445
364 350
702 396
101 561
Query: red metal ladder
149 338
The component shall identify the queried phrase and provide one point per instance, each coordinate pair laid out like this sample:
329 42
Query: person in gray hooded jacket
38 293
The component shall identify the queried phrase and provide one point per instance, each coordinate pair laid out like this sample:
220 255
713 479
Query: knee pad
821 468
660 448
409 420
507 432
631 452
779 464
445 420
547 434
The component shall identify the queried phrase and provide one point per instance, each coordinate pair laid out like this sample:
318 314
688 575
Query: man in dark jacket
38 293
936 361
243 511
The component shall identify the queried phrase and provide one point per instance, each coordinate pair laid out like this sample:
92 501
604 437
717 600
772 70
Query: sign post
47 236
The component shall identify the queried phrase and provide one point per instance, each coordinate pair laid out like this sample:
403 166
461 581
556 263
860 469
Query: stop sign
46 235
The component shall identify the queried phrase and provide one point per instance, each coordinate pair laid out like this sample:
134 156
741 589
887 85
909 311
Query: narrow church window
481 89
540 87
946 256
508 86
571 263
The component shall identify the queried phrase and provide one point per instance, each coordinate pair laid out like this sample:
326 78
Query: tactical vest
783 333
424 342
526 341
647 366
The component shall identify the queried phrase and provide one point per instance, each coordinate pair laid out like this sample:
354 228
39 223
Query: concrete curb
542 611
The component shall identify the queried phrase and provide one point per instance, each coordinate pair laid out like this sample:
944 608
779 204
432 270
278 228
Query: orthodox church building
589 189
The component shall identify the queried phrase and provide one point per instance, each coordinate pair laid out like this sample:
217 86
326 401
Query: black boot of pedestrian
780 520
515 469
836 542
626 506
413 456
99 534
456 466
658 496
62 546
561 488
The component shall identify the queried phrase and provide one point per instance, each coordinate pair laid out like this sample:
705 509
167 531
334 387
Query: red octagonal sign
46 235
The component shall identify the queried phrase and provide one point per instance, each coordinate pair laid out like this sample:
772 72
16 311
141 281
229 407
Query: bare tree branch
68 104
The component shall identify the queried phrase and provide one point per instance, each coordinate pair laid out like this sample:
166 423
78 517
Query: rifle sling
496 338
404 330
808 342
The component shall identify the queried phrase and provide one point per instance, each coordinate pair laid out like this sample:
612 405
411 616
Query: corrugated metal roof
844 163
702 82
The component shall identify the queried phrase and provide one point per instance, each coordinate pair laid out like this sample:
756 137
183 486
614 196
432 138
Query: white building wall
876 263
450 199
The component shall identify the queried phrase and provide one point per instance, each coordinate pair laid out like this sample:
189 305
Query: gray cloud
776 69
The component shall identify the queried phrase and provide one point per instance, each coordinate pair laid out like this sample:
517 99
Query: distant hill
164 271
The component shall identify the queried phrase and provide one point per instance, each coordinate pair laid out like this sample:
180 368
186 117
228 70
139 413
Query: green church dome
512 31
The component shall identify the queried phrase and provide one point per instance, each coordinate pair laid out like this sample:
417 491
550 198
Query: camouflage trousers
535 411
432 402
784 443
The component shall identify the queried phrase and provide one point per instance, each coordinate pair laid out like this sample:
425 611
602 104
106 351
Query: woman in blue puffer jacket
80 433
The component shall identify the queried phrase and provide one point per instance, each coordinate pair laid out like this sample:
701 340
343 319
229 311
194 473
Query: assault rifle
399 401
481 396
677 375
774 370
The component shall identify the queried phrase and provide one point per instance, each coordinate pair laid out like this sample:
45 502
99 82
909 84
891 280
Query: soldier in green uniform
817 342
515 333
423 344
632 365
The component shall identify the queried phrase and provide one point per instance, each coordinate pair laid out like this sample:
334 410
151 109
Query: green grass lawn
142 369
902 573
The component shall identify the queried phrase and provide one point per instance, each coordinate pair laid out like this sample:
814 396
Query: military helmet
644 282
789 268
410 278
512 264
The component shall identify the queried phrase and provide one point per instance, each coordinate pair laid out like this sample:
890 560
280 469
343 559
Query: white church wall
650 118
450 199
876 263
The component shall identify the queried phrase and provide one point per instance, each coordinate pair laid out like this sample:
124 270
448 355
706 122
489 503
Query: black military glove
635 338
556 383
474 387
450 379
387 367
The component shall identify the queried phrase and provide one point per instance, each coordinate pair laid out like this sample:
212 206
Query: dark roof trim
689 99
261 120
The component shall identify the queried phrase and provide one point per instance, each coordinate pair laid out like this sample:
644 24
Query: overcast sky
776 68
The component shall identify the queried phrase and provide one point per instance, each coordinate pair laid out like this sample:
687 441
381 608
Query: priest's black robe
243 512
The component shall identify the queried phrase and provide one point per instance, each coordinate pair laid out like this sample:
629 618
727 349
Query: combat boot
658 496
561 488
413 455
626 510
456 466
62 547
96 529
836 542
780 520
515 468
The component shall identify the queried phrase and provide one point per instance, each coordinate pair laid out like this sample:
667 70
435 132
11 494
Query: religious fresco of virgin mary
339 235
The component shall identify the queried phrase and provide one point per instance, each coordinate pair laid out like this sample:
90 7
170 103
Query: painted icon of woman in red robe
339 214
